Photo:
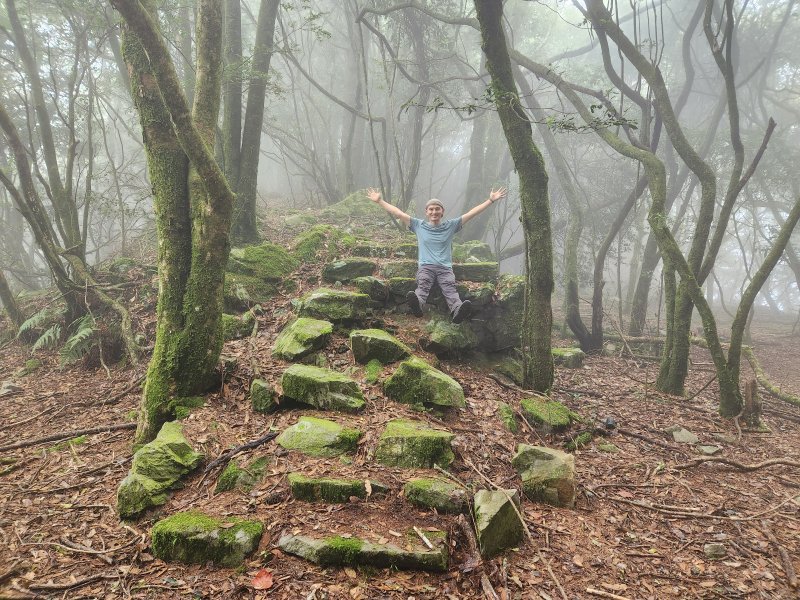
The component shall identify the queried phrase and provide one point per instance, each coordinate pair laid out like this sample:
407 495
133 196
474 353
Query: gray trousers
427 275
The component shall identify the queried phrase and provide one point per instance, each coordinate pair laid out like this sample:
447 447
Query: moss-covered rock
334 305
417 383
372 371
322 388
485 271
583 438
502 321
182 406
413 444
300 219
301 337
547 415
241 291
400 286
321 242
371 250
235 327
472 251
448 339
548 475
399 268
266 261
497 523
508 417
480 295
318 437
571 358
244 478
444 496
263 397
376 344
406 250
357 206
511 368
373 287
195 538
156 467
341 551
326 489
347 269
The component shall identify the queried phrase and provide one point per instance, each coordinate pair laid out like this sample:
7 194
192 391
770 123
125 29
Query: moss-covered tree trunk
10 302
245 227
193 205
538 317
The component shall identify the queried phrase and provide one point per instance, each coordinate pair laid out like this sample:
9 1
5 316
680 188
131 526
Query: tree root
226 456
738 465
67 435
786 560
761 377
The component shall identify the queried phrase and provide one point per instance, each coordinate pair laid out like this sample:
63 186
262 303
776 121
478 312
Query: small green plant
37 320
48 339
79 343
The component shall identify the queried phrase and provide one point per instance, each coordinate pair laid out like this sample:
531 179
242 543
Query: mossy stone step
417 383
322 388
244 478
412 444
448 339
571 358
301 337
548 475
547 415
195 538
497 523
352 551
434 492
347 269
318 437
476 271
399 268
377 344
336 306
373 287
263 397
327 489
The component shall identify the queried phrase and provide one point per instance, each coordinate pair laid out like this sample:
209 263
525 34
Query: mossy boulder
336 306
399 268
547 415
406 250
508 417
302 336
448 339
502 320
571 358
376 344
195 538
326 489
373 287
240 477
357 206
412 444
347 269
511 368
321 242
400 286
548 475
371 250
351 551
157 466
472 251
267 261
480 295
477 271
436 493
497 523
300 219
322 388
417 383
263 397
241 291
318 437
235 327
182 406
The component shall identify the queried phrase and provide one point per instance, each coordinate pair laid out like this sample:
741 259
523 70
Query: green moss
319 437
301 337
76 441
228 478
373 371
234 327
415 382
399 268
579 441
345 549
444 496
245 479
266 261
182 406
549 414
508 417
368 344
325 489
411 444
323 241
262 397
323 388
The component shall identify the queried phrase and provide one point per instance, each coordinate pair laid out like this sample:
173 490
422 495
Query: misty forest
219 376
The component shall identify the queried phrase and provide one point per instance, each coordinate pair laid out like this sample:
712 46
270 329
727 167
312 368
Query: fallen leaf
395 534
351 573
262 580
577 560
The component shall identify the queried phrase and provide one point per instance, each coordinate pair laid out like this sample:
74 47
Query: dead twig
67 435
226 456
53 587
786 560
602 594
738 465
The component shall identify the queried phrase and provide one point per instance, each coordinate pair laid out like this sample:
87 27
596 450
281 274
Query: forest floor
639 528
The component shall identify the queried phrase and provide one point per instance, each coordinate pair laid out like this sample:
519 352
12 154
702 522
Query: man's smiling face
434 213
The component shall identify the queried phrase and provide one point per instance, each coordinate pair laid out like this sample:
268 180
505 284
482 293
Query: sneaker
463 312
413 304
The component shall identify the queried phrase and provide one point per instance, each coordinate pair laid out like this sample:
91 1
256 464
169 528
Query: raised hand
373 195
495 195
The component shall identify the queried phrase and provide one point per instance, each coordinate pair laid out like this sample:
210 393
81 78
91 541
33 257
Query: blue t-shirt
435 243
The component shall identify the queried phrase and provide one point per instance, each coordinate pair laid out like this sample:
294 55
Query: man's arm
375 196
494 196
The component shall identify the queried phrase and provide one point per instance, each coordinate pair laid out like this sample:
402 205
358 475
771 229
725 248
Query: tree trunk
232 91
538 317
10 303
193 207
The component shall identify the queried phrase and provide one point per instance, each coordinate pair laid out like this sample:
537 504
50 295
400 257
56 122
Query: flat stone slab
416 382
446 338
399 268
497 524
434 492
263 397
548 475
347 269
571 358
400 286
318 437
472 251
334 305
157 466
413 444
377 344
195 538
373 287
476 271
352 551
301 337
327 489
681 435
322 388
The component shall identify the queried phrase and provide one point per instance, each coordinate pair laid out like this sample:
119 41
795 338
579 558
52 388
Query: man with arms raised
435 248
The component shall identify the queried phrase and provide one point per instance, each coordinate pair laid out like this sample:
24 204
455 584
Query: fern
37 320
79 342
240 293
48 339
